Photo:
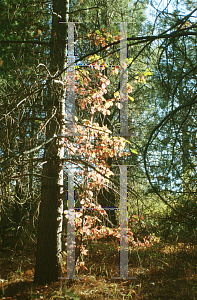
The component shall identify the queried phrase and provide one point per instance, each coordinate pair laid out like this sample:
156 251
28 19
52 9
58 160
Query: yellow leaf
148 72
39 32
116 94
109 34
129 60
134 151
131 98
108 103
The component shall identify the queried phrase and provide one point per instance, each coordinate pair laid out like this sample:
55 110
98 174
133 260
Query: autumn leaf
29 273
97 41
97 67
133 151
89 34
84 251
129 89
148 72
131 98
117 94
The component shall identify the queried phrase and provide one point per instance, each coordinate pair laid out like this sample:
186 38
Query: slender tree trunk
48 259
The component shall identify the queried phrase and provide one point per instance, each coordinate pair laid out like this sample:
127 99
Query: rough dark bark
48 263
49 245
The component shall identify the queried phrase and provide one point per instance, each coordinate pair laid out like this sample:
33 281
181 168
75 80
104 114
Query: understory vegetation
98 147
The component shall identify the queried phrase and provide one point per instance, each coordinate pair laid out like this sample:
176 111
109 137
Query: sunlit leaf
131 98
133 151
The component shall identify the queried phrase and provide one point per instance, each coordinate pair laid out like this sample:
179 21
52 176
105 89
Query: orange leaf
104 44
29 273
97 41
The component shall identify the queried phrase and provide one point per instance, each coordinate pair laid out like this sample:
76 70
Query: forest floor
164 271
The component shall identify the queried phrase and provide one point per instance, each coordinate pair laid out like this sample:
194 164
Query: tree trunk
49 246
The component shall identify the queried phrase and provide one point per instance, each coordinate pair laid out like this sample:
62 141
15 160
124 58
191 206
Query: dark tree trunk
48 260
49 245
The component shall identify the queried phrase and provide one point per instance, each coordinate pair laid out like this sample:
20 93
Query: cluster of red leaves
94 144
93 95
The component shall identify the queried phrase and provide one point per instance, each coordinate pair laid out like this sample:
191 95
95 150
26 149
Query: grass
165 270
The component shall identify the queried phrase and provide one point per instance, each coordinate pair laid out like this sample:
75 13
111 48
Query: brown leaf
97 41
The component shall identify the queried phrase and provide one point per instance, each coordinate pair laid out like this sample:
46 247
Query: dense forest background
60 122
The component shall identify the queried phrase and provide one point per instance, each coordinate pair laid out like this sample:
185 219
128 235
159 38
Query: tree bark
49 245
